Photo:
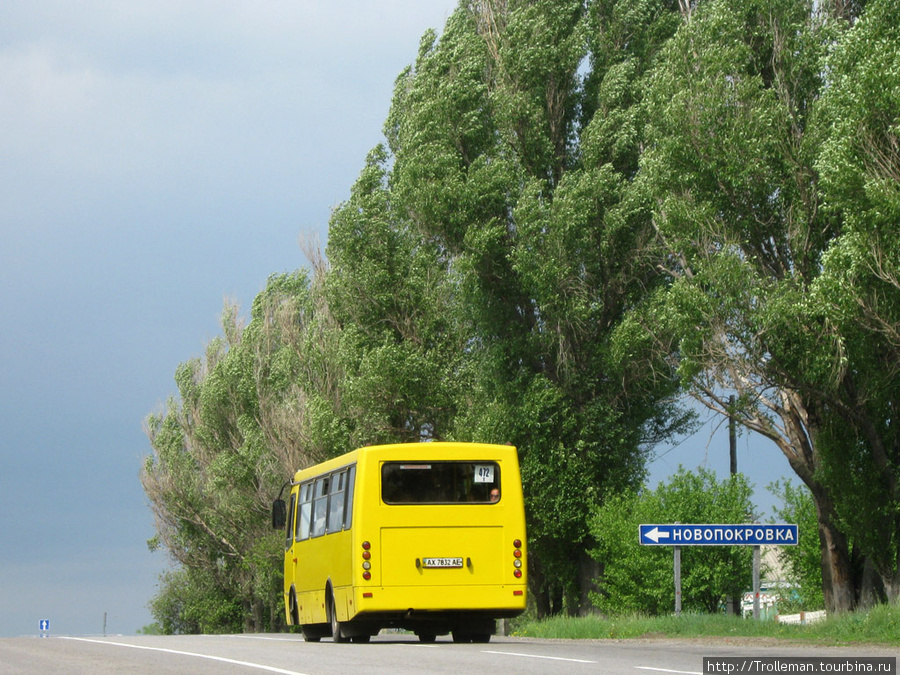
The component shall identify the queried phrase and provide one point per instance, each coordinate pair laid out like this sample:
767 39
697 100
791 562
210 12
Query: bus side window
304 511
336 502
289 528
320 507
348 509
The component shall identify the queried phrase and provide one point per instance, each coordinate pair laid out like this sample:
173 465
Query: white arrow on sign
655 535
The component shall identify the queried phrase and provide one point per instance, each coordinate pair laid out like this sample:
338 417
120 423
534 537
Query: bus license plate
442 562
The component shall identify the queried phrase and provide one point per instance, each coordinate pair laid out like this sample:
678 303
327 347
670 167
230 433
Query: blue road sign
45 625
718 535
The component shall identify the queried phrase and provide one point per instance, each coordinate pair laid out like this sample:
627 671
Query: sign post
756 560
743 534
677 563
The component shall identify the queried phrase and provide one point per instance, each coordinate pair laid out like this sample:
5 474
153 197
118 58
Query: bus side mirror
279 514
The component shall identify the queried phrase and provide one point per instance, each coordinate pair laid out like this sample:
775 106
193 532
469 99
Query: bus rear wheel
464 636
292 608
337 633
311 633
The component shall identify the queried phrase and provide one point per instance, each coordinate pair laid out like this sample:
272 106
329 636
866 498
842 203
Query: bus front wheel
337 633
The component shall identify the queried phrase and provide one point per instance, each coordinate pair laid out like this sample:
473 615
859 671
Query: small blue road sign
45 625
718 535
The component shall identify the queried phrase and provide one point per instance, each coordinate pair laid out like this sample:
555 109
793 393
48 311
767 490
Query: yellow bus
428 537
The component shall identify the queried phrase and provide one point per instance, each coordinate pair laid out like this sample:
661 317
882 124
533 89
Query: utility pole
732 605
732 436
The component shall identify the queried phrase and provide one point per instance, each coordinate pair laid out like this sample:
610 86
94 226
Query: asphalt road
395 654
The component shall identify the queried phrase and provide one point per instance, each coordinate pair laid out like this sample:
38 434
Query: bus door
300 532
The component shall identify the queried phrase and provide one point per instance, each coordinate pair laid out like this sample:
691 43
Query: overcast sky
156 157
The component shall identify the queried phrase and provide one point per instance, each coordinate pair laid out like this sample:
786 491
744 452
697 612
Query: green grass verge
880 625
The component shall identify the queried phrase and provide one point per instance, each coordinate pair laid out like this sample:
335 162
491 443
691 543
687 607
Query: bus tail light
517 558
367 556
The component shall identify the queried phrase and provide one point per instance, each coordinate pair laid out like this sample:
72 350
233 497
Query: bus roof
435 450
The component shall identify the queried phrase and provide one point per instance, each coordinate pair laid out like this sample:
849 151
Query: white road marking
221 659
668 670
538 656
297 639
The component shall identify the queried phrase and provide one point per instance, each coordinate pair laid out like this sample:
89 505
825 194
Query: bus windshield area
440 482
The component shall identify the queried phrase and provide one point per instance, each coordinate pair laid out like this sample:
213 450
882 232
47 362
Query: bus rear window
440 482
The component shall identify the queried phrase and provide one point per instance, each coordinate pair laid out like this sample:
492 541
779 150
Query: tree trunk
556 599
892 585
797 441
588 573
802 427
870 587
838 587
538 588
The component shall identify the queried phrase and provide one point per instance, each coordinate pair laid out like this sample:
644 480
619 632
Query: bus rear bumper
419 603
431 622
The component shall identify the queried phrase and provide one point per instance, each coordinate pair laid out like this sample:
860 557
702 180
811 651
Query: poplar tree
858 292
730 170
221 451
489 132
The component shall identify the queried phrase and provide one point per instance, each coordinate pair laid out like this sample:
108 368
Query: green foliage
803 562
728 173
639 579
859 289
389 301
216 467
190 601
741 117
534 253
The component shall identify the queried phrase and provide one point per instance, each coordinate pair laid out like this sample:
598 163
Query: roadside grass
879 625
